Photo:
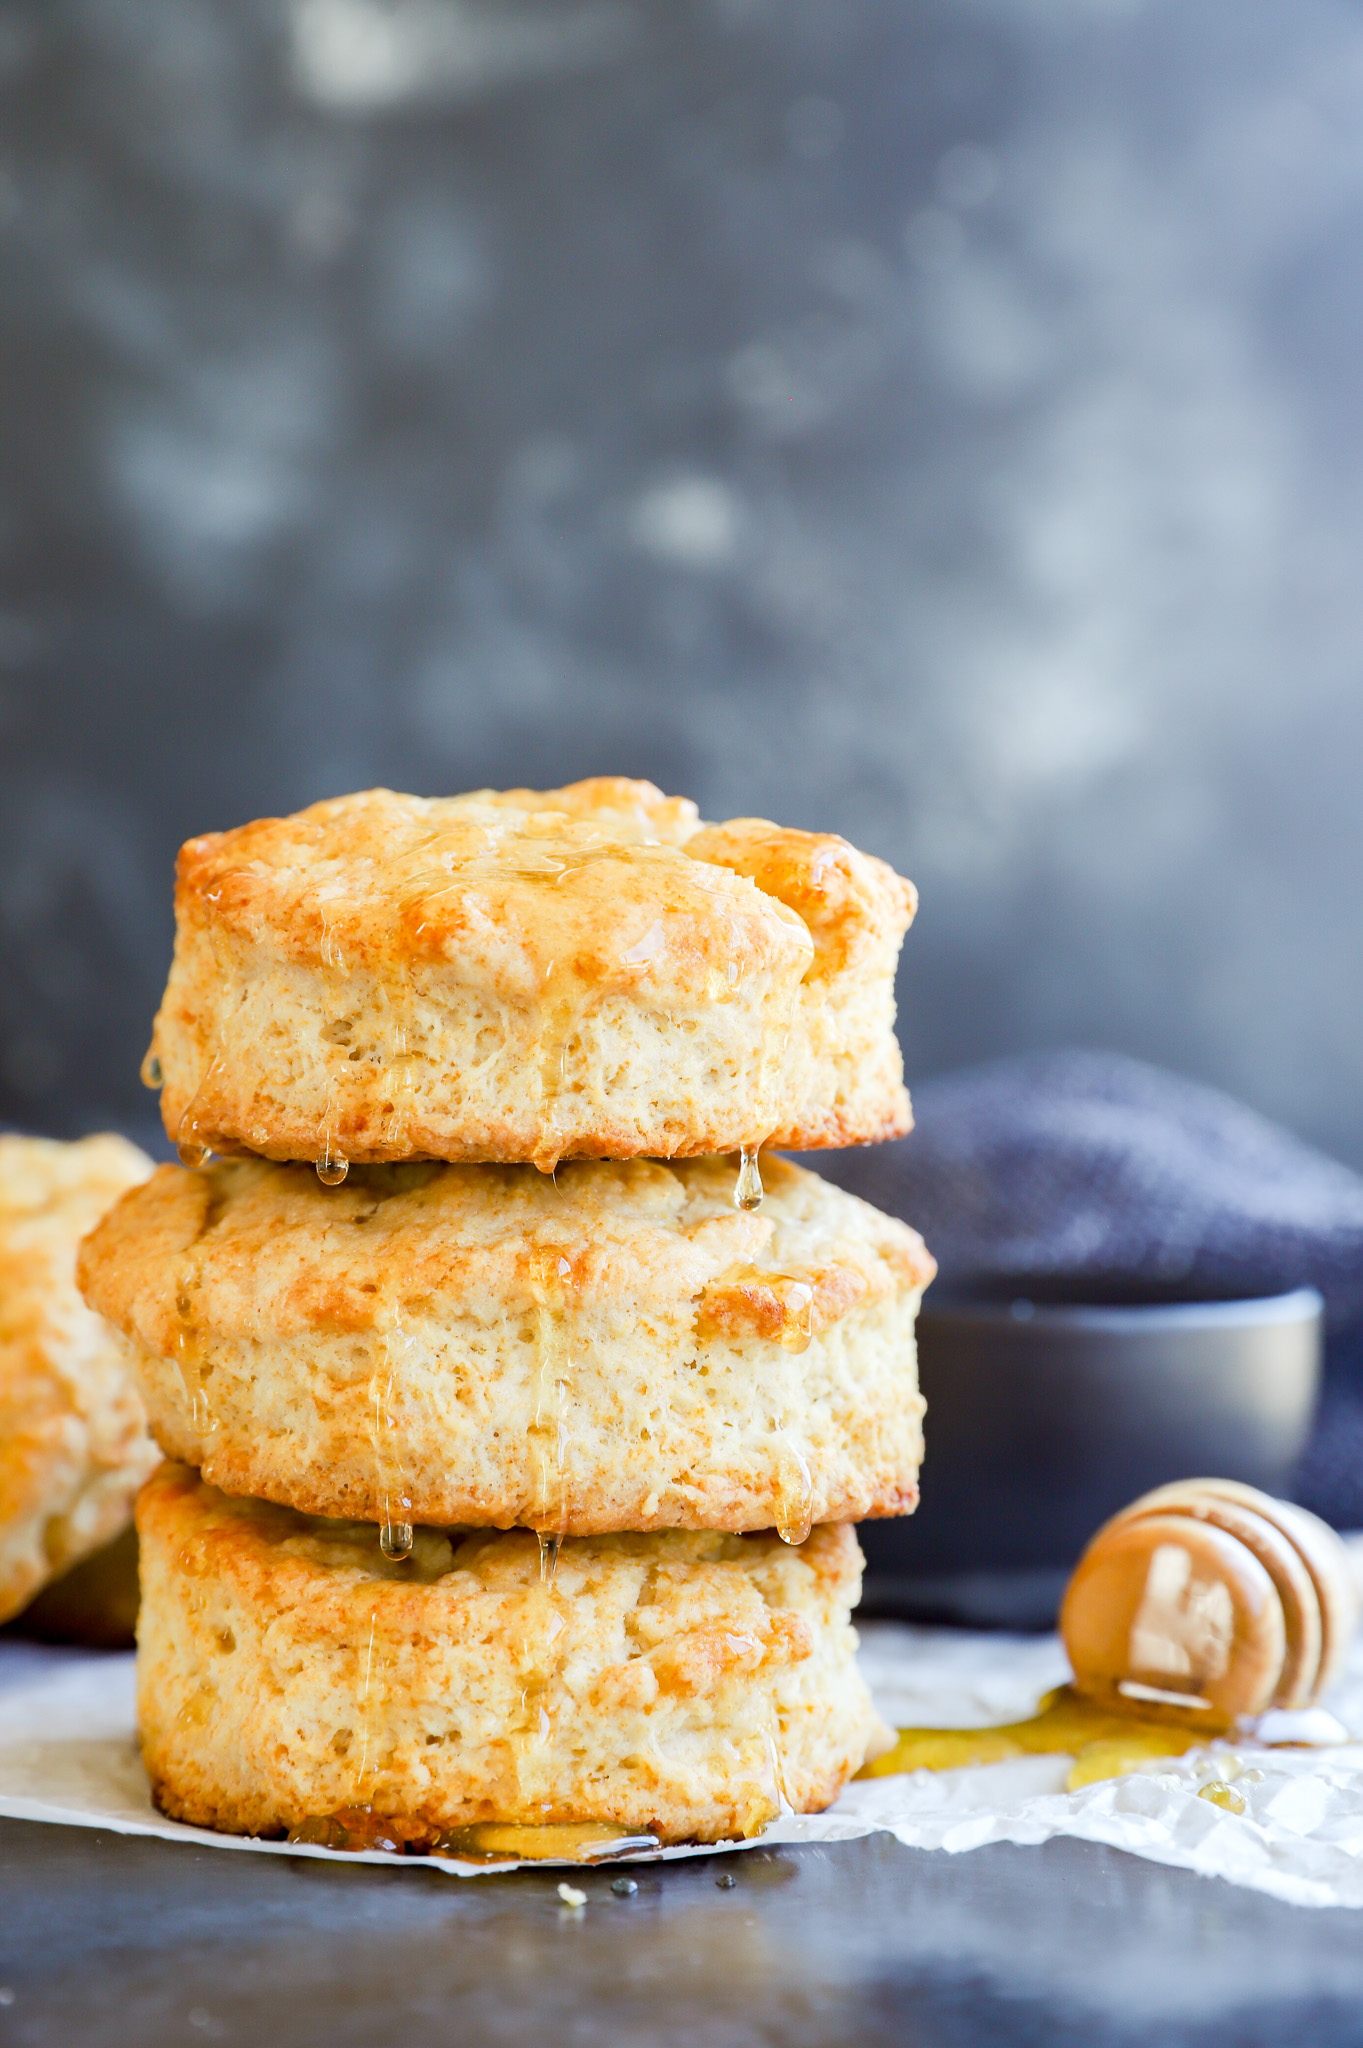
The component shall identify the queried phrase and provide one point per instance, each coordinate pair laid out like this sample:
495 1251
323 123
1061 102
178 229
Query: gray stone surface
935 421
105 1941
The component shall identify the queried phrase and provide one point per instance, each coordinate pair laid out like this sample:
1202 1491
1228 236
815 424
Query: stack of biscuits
518 1413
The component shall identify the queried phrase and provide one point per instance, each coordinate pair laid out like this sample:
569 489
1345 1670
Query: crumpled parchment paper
67 1754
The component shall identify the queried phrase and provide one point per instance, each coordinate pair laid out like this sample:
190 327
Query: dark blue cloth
1093 1169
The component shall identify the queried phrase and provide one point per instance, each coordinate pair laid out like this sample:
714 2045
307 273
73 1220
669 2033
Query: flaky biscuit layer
621 1348
289 1673
73 1439
528 975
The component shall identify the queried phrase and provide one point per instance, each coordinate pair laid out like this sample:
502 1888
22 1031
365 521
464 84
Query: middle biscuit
617 1349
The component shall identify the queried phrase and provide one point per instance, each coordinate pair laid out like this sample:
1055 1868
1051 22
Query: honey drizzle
565 999
560 996
201 1417
545 1623
401 1080
767 1798
364 1769
794 1480
794 1495
558 1021
748 1190
550 1278
392 1484
189 1144
776 1761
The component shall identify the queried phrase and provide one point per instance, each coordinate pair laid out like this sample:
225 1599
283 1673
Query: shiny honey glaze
357 1828
1104 1744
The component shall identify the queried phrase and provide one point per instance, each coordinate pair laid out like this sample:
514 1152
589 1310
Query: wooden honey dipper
1208 1602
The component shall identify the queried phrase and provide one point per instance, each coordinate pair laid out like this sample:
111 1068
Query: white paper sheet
67 1754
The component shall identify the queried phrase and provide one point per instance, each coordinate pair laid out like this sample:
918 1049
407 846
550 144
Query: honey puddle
1102 1743
356 1828
570 1841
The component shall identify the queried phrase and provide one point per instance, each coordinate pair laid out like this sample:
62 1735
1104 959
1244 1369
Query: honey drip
768 1799
332 1166
795 1494
545 1621
748 1186
189 1141
201 1417
1102 1743
368 1705
784 1807
392 1485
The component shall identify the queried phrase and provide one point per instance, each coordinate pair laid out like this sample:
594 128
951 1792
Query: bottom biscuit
292 1680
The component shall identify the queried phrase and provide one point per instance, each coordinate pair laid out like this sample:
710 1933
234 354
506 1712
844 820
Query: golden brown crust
73 1440
289 1672
577 973
620 1349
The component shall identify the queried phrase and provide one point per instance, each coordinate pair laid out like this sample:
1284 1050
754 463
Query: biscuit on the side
73 1437
619 1348
293 1680
587 972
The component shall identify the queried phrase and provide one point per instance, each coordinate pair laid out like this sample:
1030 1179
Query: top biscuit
582 973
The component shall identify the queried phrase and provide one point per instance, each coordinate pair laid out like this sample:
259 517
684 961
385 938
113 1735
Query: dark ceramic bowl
1045 1417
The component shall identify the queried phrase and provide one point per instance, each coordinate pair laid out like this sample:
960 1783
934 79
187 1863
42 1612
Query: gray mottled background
940 422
